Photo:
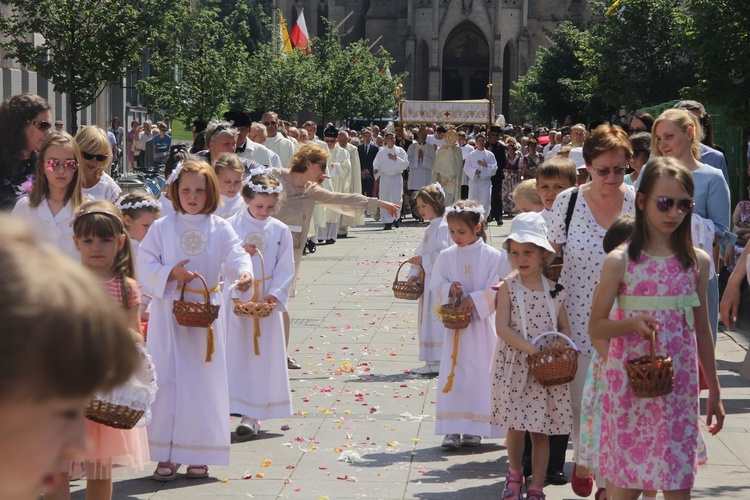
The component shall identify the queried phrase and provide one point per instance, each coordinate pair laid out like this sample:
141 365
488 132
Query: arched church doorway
466 63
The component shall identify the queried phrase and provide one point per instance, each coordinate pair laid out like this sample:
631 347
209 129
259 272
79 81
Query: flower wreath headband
257 187
138 204
476 209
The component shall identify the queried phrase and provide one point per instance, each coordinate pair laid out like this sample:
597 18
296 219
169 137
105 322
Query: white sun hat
528 227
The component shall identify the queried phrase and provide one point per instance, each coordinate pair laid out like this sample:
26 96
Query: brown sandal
196 472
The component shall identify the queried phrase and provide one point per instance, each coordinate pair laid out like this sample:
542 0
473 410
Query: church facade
451 49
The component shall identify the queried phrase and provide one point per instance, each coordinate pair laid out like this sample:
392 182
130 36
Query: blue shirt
161 145
714 158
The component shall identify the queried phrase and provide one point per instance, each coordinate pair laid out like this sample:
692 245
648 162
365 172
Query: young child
526 197
591 406
431 206
63 341
464 273
528 304
256 349
660 282
56 196
105 250
552 178
229 170
479 166
177 154
96 153
189 423
139 211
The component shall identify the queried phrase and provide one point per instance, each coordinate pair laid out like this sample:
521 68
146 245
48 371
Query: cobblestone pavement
364 426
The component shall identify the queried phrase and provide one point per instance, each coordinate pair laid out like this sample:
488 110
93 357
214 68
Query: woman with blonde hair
96 158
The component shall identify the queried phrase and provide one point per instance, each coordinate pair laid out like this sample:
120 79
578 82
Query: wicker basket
112 415
554 366
251 308
554 269
195 314
408 291
651 376
452 318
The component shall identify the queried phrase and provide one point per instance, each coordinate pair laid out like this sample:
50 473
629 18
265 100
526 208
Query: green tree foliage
197 67
351 81
720 41
281 83
245 19
557 84
86 43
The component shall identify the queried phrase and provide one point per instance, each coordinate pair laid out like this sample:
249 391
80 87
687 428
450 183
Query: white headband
138 204
267 190
478 209
175 174
257 171
439 188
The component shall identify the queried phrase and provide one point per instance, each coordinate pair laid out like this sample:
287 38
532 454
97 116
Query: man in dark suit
367 152
497 147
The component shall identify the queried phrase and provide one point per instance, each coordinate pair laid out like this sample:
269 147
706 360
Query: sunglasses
99 158
604 172
269 123
664 204
53 165
41 125
636 130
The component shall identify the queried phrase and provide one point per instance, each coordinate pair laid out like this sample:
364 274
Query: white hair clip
257 171
267 190
175 173
138 204
478 209
439 188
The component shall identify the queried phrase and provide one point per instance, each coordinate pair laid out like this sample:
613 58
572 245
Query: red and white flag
299 35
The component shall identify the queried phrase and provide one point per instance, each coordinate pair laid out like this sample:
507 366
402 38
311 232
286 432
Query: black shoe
330 241
499 222
311 246
557 478
342 235
397 223
388 227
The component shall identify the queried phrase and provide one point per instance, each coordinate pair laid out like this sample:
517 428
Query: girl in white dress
256 350
56 196
466 272
189 423
431 205
139 211
229 170
96 156
528 304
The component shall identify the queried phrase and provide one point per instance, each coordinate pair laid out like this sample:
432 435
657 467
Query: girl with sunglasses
96 156
56 195
677 134
25 120
660 281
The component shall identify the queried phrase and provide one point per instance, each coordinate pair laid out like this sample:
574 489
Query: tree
193 75
86 43
282 83
351 81
721 41
558 84
245 19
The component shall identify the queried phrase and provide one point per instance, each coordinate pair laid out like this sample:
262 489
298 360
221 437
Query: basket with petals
195 314
253 308
651 375
408 291
452 317
126 405
554 366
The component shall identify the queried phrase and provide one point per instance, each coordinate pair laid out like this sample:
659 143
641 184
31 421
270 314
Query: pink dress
653 443
108 446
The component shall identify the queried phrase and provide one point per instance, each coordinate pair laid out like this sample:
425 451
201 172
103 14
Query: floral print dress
653 443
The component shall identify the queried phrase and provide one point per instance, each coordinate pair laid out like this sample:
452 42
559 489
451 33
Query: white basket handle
545 334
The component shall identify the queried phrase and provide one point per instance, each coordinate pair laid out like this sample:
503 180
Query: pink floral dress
653 443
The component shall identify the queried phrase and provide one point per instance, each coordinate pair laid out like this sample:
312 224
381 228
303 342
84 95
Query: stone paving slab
364 428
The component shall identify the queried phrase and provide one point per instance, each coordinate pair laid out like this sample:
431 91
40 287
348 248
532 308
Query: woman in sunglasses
25 120
56 196
96 157
677 133
594 207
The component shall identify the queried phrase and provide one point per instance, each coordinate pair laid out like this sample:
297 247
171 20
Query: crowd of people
636 225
